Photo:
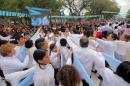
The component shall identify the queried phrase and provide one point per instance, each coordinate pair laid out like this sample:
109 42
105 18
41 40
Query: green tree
19 5
76 7
103 5
128 14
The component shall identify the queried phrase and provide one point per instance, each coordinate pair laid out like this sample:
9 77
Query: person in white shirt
20 45
29 45
8 38
122 48
41 43
37 35
107 46
76 38
38 41
55 39
64 50
88 57
120 78
8 62
44 73
55 58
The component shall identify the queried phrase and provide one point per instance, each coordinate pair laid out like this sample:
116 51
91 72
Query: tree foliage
76 7
103 5
93 7
19 5
128 14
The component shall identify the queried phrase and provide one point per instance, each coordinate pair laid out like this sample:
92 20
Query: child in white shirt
44 74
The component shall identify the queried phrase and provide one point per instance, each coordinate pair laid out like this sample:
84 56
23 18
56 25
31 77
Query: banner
38 16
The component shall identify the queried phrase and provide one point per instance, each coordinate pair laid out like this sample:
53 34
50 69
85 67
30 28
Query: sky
125 6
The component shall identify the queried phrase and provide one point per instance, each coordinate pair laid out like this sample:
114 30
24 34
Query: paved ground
95 79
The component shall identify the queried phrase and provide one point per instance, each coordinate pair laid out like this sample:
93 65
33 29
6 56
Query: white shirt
44 77
16 77
128 52
37 35
2 82
18 53
111 79
76 39
121 48
88 57
8 38
64 53
31 59
108 47
55 59
12 64
21 58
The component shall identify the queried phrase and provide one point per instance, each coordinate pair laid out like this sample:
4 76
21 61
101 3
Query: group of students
51 56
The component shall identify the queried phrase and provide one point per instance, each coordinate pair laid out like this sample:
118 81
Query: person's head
3 42
53 47
28 43
110 36
63 29
125 37
88 33
39 41
123 71
26 36
63 42
75 31
56 36
41 56
68 76
7 50
105 34
43 45
20 39
84 42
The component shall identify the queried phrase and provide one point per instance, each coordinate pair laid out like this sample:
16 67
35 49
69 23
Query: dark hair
128 26
88 33
37 45
18 37
26 33
63 29
68 76
63 42
28 43
105 34
115 36
123 71
84 42
56 33
75 31
39 55
127 37
3 42
52 46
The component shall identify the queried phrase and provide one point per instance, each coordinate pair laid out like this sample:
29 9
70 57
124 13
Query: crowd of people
60 54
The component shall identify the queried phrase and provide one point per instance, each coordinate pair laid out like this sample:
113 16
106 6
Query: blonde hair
6 49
